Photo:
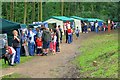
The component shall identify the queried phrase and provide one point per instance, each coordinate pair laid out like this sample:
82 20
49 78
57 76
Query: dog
6 58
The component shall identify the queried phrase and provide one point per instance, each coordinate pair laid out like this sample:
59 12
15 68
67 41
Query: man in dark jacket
60 33
58 40
46 38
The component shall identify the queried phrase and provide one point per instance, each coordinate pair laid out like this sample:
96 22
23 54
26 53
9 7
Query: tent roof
62 18
93 19
6 24
23 25
41 23
31 25
79 18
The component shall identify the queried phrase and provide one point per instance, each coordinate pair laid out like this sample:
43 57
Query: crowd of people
39 43
97 26
45 40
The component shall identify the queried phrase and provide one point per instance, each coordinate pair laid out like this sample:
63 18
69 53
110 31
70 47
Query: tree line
27 12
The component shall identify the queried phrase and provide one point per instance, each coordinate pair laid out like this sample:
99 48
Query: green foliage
104 50
83 9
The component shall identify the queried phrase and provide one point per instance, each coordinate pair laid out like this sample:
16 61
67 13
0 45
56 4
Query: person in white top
92 26
77 32
96 26
10 51
31 42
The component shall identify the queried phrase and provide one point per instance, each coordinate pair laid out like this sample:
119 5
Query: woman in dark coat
16 46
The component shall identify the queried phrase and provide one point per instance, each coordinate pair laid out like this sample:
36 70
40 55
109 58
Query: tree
62 7
33 13
40 10
25 11
6 10
11 11
43 10
15 17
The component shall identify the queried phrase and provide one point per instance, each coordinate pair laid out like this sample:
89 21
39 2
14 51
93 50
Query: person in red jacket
39 46
69 31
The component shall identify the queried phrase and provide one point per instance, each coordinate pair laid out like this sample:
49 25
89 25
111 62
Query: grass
104 50
22 60
13 76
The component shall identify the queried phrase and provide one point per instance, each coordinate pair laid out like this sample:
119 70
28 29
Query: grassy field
22 60
13 76
99 56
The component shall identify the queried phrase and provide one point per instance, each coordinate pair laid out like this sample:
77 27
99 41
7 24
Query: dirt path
51 66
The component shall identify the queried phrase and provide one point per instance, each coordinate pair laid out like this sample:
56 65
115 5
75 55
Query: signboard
3 40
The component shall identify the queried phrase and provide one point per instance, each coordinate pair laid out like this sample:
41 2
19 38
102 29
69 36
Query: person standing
77 32
16 46
39 32
31 42
58 39
39 45
60 33
85 28
24 44
112 25
104 27
52 37
54 42
109 25
92 26
69 34
46 38
66 36
96 26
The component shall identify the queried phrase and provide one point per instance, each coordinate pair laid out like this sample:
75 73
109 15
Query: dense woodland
27 12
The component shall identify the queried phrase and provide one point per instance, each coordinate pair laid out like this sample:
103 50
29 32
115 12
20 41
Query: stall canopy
38 24
32 25
8 25
93 19
79 18
62 18
100 22
23 25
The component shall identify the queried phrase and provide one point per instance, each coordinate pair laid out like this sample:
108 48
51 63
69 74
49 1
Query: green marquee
79 18
93 19
62 18
8 25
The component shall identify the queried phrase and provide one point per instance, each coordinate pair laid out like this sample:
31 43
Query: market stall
62 21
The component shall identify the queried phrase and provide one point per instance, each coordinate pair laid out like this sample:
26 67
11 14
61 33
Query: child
10 51
51 43
104 27
77 31
54 42
39 46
